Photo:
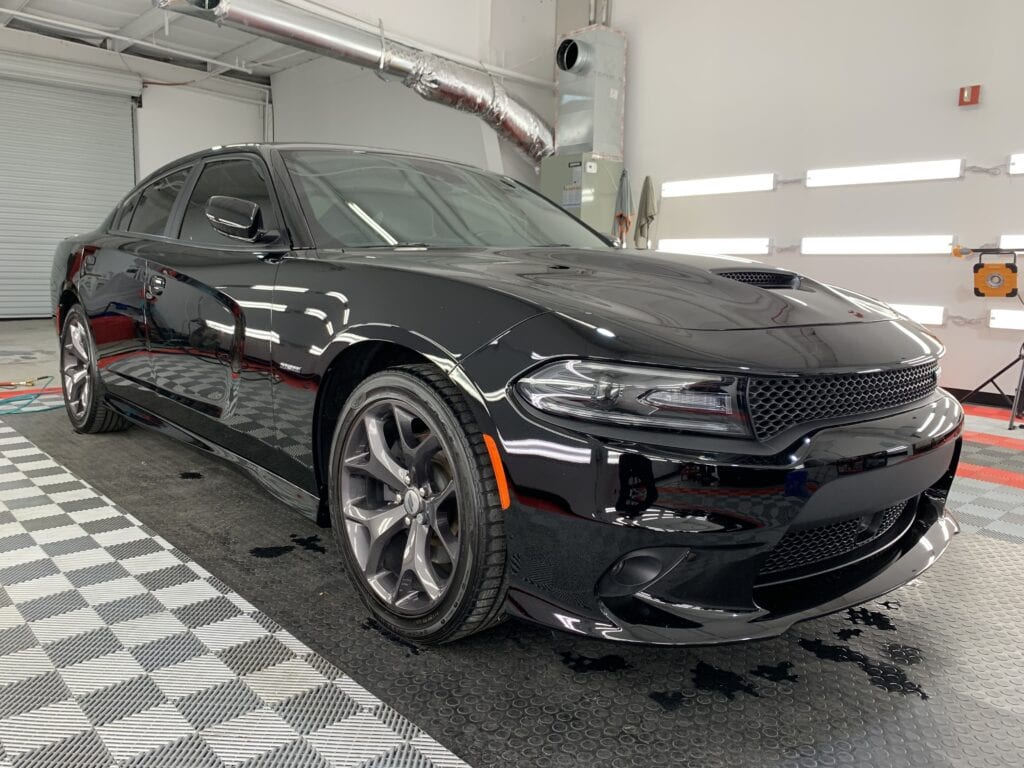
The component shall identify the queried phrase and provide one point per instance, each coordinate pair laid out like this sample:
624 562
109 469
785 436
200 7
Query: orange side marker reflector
499 472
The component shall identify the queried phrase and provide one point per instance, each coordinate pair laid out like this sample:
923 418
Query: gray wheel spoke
422 455
416 560
77 380
77 337
403 421
381 526
448 539
378 463
439 498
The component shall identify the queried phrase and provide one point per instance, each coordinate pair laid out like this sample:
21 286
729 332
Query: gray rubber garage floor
932 676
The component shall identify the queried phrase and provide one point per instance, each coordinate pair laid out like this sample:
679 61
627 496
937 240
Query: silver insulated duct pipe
432 77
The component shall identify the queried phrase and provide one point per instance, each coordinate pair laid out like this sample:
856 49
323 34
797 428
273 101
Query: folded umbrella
645 213
623 208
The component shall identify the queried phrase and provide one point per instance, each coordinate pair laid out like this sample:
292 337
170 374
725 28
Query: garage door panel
67 158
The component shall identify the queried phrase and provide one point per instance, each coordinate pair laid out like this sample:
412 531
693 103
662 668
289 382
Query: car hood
630 287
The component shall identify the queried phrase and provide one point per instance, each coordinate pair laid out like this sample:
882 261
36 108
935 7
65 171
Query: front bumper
905 561
643 543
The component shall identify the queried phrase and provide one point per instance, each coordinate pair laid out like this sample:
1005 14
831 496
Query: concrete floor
28 351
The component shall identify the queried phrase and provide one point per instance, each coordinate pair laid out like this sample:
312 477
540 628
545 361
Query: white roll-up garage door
66 157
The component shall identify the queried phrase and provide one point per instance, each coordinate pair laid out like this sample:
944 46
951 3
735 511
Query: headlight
636 396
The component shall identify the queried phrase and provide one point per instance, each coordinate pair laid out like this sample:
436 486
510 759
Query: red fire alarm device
970 95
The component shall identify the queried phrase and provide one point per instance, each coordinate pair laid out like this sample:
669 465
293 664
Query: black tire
83 400
476 584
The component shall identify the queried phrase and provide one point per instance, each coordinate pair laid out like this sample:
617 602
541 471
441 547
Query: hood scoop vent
762 278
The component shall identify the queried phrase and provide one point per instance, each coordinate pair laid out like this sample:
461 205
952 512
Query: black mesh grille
778 403
800 548
764 279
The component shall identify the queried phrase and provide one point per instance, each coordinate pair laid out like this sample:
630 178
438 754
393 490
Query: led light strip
734 246
1010 319
927 170
722 185
925 314
874 245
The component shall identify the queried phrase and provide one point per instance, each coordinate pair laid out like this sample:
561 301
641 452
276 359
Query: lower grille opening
804 551
799 594
793 596
635 611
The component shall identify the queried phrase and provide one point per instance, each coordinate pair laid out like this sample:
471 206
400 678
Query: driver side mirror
235 218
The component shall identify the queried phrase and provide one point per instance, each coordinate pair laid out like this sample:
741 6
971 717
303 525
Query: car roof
263 149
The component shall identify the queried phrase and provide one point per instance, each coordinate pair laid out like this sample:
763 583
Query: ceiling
182 40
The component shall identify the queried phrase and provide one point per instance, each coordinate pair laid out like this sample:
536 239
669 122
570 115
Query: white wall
175 121
330 101
736 87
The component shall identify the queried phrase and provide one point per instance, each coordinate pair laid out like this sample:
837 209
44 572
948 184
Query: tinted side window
153 206
235 178
124 216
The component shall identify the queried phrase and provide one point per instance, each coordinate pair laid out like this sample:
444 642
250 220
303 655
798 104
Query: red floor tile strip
15 392
1013 443
1003 414
991 475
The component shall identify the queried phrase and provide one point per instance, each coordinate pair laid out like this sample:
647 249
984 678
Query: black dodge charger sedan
499 412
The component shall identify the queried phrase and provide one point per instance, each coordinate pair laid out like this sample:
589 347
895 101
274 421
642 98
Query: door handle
155 286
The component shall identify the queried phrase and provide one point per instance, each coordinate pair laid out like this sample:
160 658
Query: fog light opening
636 570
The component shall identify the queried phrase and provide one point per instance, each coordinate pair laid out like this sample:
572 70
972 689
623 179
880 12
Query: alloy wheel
76 368
400 506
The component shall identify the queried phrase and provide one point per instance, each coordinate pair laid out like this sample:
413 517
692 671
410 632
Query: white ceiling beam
101 34
149 23
11 5
25 44
255 50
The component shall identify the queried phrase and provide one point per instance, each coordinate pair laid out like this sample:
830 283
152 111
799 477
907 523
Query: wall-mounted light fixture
925 314
874 245
1010 319
733 246
927 170
722 185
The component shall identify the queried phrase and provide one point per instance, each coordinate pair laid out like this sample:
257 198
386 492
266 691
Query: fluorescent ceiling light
723 185
1012 242
877 245
735 246
884 174
1011 319
1017 163
925 314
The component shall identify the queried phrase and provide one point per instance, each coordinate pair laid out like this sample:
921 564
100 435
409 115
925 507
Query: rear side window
153 206
234 178
124 216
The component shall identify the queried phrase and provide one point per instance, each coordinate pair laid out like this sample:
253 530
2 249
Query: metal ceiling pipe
432 77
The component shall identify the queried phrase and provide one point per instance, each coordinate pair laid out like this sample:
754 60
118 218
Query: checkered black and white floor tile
990 500
116 649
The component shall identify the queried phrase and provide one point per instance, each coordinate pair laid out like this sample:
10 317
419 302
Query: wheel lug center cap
412 502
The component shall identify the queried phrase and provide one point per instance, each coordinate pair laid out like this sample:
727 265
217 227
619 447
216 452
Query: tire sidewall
446 617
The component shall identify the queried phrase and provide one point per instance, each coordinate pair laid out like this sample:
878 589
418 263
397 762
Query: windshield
355 199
